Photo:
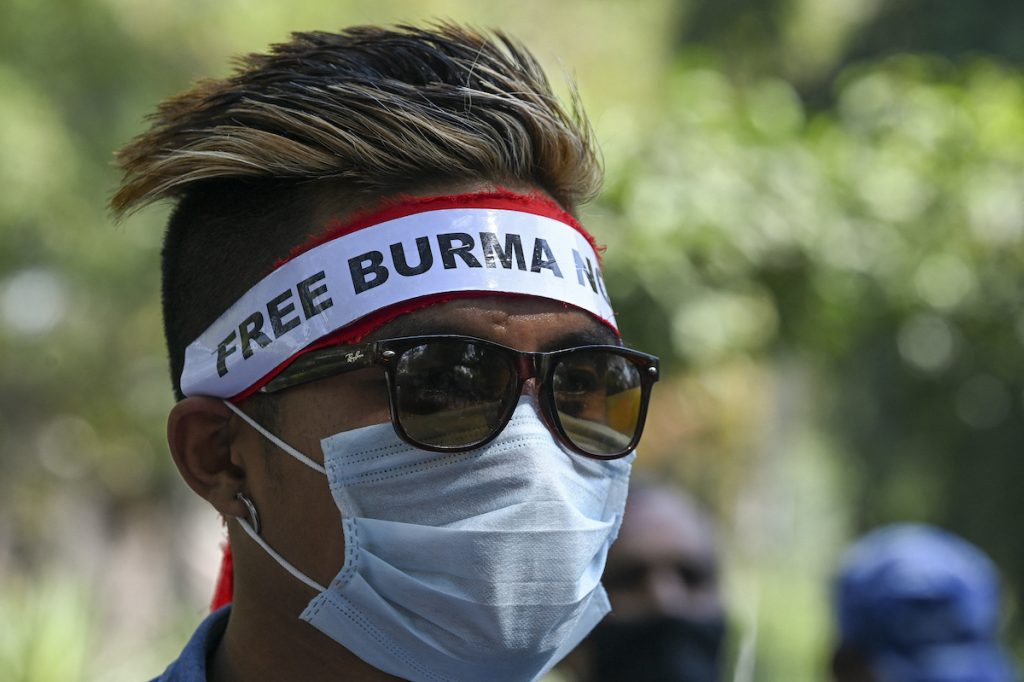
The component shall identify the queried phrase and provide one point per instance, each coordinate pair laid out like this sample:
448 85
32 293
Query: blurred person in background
915 603
668 621
398 373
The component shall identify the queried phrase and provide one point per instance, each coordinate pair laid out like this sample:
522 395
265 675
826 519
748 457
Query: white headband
464 249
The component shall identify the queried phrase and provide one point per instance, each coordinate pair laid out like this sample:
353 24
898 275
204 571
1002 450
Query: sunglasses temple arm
315 366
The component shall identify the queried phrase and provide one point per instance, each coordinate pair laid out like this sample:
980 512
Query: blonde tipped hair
379 110
334 120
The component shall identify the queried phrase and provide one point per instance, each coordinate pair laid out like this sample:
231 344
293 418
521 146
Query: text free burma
368 270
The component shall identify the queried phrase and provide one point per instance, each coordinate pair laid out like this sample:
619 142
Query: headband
404 257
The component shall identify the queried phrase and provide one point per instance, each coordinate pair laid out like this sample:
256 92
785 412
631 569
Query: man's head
337 194
665 560
915 603
667 621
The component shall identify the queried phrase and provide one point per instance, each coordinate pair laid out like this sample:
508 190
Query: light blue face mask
481 565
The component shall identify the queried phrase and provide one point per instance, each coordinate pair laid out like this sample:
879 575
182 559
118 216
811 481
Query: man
398 373
667 622
917 604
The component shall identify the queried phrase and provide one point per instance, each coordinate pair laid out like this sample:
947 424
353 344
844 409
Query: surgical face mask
657 649
480 565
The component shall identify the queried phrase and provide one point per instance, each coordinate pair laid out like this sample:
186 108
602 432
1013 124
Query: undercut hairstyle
331 120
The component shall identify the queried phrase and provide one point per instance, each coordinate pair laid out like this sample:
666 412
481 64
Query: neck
266 640
260 645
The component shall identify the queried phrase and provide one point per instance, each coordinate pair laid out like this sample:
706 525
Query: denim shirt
191 665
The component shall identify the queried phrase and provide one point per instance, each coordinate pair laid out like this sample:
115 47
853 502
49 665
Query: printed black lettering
307 296
600 286
370 263
448 252
251 329
277 312
543 259
494 254
402 265
224 349
584 267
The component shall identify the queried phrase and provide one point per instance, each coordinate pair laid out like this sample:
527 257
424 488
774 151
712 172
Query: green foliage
808 232
48 632
881 242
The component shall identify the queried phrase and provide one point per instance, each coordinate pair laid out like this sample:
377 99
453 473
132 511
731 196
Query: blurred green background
814 214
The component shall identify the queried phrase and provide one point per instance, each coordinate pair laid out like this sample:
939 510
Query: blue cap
922 605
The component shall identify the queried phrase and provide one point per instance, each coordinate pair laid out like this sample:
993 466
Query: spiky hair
339 119
375 108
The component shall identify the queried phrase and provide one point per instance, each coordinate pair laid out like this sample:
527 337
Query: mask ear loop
285 564
254 533
275 440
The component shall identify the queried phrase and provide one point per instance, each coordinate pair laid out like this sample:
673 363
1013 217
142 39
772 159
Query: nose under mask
465 566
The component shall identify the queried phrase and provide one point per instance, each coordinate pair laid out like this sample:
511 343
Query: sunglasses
455 393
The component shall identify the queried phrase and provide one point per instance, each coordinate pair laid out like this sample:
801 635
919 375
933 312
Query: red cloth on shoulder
225 588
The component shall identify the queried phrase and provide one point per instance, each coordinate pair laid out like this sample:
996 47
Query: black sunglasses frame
334 360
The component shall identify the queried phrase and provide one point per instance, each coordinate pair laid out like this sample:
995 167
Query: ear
200 442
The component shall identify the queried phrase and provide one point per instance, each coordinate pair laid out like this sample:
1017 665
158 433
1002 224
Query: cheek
317 414
303 523
708 602
629 604
306 523
321 536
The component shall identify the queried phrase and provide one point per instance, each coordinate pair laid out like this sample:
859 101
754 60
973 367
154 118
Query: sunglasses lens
598 397
452 393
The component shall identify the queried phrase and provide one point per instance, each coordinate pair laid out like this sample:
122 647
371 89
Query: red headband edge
405 205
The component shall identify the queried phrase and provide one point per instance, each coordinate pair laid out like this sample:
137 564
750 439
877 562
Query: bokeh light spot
33 301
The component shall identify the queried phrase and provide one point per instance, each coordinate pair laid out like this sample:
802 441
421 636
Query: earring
254 517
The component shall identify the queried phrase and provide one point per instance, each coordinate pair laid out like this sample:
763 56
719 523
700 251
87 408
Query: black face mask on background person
658 649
